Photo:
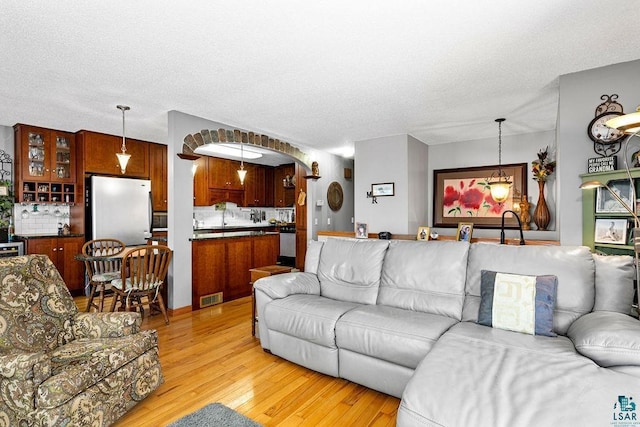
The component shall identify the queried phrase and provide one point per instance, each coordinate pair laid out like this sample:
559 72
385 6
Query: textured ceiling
319 74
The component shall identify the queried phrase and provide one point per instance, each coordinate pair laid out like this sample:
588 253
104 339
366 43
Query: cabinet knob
61 249
55 249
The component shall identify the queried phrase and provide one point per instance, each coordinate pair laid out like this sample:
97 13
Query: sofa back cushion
572 265
349 269
36 309
425 276
312 257
614 283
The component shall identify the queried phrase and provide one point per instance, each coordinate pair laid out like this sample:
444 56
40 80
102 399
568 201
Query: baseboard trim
178 311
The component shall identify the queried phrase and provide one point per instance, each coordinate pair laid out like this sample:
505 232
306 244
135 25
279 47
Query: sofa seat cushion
480 376
79 364
391 334
308 317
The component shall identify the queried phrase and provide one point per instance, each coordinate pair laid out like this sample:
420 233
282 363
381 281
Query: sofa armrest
283 285
106 325
21 373
607 337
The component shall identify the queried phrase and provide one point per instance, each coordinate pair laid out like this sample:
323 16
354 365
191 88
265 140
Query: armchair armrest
21 373
283 285
106 325
608 338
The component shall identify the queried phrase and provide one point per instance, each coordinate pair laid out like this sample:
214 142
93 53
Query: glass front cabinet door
45 154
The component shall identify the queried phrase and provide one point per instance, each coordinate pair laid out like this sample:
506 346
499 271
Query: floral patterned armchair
59 367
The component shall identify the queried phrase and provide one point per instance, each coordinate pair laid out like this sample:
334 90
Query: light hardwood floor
210 356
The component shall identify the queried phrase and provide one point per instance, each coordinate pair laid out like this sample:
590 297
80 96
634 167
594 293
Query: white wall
579 96
484 152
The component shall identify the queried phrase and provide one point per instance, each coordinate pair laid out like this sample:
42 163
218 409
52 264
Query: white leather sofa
401 317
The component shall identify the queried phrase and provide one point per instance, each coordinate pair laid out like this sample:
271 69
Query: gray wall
579 96
483 152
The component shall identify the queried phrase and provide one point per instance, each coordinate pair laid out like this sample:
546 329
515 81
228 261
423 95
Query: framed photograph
423 233
606 202
362 231
384 189
465 230
610 230
464 195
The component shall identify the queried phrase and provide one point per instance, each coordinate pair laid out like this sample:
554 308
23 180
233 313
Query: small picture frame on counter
362 231
423 233
465 230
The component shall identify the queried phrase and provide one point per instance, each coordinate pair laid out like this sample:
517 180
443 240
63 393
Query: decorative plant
6 205
543 167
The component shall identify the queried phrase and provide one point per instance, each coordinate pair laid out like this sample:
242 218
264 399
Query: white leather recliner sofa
401 317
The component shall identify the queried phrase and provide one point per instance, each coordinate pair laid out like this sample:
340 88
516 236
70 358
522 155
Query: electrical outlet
315 221
328 221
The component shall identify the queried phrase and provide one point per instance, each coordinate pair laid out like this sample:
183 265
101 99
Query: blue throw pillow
518 302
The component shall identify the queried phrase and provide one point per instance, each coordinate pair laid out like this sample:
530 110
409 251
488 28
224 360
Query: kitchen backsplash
39 219
234 216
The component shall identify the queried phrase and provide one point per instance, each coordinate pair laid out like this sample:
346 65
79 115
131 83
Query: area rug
214 414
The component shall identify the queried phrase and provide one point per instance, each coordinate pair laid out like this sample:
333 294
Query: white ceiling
319 74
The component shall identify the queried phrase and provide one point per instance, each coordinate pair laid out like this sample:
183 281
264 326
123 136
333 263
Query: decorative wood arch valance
193 141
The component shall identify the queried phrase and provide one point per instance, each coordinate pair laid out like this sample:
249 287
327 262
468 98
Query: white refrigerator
120 208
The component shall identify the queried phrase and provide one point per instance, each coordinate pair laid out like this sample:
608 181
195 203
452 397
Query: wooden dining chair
101 271
143 272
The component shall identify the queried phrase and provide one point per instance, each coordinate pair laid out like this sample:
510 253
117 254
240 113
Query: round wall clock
602 134
335 196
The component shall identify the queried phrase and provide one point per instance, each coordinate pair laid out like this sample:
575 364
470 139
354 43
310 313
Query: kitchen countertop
232 234
45 236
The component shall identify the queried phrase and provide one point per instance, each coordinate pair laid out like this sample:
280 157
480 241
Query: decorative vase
541 214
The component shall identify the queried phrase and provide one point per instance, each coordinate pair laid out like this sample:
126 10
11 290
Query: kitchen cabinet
285 190
44 154
200 182
100 155
221 195
223 264
62 252
258 185
223 173
158 176
301 218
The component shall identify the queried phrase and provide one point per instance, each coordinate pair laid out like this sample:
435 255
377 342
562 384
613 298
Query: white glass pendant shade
242 173
123 159
500 190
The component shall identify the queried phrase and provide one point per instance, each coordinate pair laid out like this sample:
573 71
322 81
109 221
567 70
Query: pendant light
500 188
123 158
241 172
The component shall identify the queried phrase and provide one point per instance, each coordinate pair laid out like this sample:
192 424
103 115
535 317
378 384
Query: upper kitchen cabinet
200 184
258 185
285 187
99 154
158 175
223 173
44 155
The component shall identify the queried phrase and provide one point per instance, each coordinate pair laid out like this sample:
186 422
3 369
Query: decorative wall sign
602 164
